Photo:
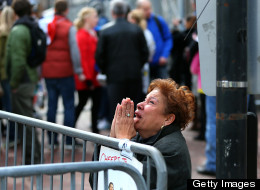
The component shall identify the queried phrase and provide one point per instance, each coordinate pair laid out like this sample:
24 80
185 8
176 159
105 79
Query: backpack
38 40
39 46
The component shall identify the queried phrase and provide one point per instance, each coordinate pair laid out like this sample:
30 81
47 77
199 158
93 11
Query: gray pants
22 102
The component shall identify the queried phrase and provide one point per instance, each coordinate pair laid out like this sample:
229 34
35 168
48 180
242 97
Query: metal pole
231 116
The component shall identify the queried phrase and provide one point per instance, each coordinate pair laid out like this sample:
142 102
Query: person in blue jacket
162 37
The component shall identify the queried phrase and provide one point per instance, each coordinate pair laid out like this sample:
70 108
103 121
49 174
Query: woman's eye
152 102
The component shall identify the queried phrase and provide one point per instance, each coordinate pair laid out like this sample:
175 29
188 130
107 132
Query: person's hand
162 61
124 122
112 131
82 77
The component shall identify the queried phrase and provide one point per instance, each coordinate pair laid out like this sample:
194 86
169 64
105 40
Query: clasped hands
123 122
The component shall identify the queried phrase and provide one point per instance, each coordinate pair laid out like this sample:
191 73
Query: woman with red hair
158 122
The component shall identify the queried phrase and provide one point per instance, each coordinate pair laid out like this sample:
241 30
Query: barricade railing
62 168
43 126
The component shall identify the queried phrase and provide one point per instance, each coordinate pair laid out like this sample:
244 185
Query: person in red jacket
62 62
87 41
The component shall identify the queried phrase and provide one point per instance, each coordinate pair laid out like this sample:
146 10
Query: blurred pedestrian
36 9
22 77
183 51
7 19
190 48
176 70
136 16
121 54
163 39
102 18
62 61
87 41
103 115
209 167
195 69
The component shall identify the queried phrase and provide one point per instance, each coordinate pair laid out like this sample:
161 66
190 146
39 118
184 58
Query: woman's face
149 116
92 19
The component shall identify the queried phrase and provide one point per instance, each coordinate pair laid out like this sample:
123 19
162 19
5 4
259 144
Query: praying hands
123 122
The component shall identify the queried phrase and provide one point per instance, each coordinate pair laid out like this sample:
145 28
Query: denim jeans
211 133
66 88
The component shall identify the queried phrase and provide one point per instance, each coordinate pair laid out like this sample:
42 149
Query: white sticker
125 146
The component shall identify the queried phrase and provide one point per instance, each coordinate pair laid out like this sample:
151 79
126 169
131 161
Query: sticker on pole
125 146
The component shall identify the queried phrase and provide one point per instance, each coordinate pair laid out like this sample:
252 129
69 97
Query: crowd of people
136 51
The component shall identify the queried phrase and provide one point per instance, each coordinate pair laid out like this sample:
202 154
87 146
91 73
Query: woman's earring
163 125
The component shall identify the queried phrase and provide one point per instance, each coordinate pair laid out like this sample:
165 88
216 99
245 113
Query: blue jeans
211 133
66 88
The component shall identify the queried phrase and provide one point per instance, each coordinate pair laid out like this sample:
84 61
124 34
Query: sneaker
78 145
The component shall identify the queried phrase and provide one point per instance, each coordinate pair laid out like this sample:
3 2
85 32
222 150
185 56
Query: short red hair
180 101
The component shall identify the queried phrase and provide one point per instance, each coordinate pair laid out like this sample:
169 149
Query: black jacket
122 52
171 143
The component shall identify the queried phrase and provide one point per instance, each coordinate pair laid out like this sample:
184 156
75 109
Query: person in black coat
121 53
183 51
158 122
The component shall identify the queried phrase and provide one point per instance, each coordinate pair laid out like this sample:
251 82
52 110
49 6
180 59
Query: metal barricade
62 168
43 126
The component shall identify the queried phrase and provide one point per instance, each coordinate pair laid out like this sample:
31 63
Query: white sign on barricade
119 179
